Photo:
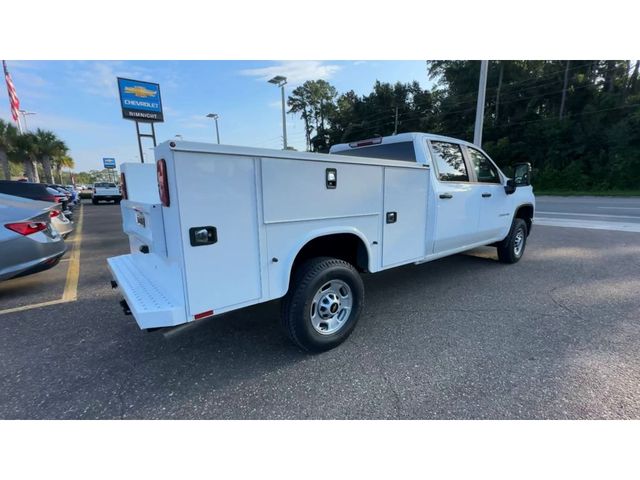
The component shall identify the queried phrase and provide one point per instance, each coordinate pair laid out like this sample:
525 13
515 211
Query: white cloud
99 77
295 71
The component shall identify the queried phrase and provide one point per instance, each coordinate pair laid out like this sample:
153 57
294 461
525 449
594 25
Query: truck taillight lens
26 228
163 182
123 186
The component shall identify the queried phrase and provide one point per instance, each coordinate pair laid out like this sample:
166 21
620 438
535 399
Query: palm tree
63 161
8 135
26 151
48 146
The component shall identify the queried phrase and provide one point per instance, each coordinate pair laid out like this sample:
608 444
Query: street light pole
24 114
215 118
281 81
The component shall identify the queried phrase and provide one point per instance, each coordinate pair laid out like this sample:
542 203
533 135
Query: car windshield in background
105 185
390 151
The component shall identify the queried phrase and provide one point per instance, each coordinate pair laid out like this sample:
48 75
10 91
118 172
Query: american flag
13 96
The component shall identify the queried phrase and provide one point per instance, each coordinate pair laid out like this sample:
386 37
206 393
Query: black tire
116 202
306 282
508 251
94 201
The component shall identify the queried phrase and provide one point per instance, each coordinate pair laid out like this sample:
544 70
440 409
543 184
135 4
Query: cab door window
486 171
449 162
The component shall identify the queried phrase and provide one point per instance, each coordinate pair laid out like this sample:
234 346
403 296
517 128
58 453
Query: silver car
28 242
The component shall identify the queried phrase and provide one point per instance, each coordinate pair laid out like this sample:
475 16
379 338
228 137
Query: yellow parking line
73 273
70 293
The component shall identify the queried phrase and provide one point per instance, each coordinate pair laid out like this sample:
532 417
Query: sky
78 100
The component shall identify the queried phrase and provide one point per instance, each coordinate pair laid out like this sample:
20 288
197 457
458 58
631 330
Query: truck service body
236 226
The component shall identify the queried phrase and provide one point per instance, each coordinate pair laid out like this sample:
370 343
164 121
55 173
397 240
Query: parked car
74 191
59 221
86 191
63 190
34 191
28 241
237 226
105 192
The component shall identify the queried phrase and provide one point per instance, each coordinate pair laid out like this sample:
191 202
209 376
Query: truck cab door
494 215
456 205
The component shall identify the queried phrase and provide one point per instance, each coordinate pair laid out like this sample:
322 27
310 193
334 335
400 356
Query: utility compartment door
405 215
219 191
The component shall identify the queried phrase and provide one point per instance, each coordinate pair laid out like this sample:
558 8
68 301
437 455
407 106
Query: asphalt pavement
600 213
556 336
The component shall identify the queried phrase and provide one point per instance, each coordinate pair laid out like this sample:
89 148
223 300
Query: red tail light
54 213
123 186
163 182
26 228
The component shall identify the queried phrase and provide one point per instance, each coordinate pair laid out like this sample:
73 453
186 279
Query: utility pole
395 129
498 91
482 90
564 89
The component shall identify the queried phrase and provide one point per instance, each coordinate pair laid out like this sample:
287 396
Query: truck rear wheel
511 249
323 305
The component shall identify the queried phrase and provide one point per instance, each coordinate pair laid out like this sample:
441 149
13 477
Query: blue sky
79 100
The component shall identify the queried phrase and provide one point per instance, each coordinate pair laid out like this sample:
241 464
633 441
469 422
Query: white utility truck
236 226
105 192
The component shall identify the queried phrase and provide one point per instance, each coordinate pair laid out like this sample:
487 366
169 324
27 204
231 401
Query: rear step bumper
149 304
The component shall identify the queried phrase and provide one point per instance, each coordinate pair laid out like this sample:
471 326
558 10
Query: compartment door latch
200 236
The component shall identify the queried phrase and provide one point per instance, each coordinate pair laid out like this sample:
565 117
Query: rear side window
390 151
486 171
450 162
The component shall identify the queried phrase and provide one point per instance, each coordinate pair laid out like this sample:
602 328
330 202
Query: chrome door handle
446 195
486 195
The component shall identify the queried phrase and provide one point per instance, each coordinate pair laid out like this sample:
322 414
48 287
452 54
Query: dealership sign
140 101
109 162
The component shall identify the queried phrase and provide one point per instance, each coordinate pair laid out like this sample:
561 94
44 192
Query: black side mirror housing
522 174
510 186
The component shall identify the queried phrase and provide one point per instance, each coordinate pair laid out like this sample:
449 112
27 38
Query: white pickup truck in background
236 226
105 192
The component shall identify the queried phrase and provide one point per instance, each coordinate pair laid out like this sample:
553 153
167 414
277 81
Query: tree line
37 156
576 121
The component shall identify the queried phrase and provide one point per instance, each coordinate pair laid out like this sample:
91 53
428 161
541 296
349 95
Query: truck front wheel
324 302
510 249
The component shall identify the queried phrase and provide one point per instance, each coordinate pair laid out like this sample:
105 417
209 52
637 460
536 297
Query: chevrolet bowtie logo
140 91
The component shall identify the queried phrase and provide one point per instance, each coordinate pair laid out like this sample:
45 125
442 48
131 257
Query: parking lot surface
555 336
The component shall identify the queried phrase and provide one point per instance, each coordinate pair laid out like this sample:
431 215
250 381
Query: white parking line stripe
588 214
621 208
589 224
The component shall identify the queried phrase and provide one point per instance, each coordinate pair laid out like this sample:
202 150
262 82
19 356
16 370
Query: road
602 213
555 336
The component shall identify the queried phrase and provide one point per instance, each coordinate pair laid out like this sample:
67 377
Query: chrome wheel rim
518 242
331 307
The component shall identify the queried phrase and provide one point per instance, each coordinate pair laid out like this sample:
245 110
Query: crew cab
236 226
105 191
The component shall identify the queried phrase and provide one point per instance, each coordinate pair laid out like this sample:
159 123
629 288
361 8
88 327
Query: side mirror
522 174
510 186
